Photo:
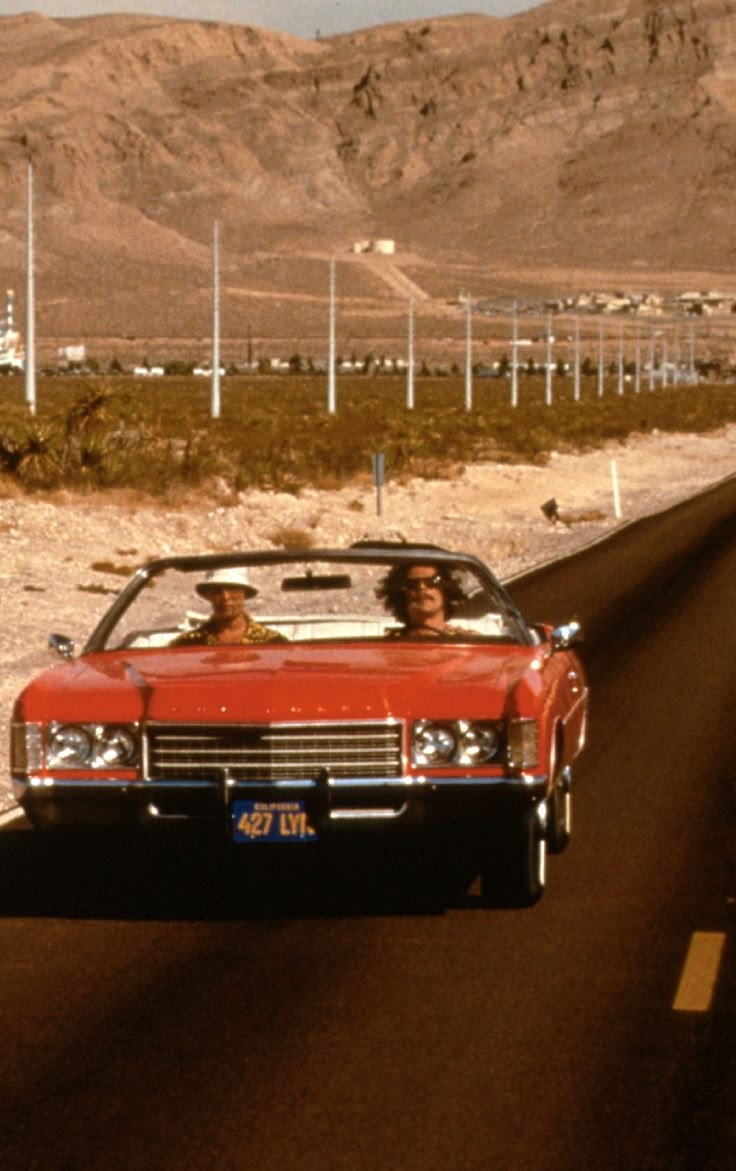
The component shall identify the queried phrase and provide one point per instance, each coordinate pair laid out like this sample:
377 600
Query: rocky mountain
580 139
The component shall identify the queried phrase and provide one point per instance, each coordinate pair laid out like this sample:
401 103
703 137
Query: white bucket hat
235 578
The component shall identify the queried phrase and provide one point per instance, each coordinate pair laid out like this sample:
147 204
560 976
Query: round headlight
480 743
434 744
116 747
69 746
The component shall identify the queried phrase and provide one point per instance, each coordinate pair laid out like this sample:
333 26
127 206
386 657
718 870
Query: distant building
72 355
704 301
384 247
11 352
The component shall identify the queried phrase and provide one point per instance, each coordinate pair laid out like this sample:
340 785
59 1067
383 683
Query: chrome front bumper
330 800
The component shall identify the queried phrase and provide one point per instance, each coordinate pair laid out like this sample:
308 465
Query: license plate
271 821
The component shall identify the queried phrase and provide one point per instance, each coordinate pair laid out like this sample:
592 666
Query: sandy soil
51 546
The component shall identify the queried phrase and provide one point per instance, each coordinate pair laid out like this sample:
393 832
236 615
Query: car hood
295 682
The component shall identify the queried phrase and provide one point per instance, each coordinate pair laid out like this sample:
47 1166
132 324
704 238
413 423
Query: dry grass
291 538
158 442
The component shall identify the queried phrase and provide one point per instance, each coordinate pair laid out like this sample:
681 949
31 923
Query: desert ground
51 545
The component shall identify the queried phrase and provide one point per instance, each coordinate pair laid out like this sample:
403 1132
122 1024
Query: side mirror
565 636
62 645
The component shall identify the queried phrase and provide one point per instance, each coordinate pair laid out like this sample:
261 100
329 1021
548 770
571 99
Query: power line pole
514 370
548 368
331 388
601 360
215 392
30 359
410 359
468 354
576 390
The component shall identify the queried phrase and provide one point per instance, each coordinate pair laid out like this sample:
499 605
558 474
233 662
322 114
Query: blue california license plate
271 821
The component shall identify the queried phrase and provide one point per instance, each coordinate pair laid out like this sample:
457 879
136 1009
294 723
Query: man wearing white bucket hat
230 624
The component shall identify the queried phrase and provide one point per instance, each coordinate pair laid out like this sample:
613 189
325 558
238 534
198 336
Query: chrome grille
275 751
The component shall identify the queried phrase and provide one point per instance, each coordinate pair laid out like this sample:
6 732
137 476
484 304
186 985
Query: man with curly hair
423 598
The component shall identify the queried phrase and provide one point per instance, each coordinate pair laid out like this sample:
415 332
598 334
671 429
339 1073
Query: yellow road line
699 975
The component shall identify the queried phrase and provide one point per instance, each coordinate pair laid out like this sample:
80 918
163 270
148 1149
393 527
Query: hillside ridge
581 136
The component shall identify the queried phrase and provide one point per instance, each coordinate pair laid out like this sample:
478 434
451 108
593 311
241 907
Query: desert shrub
37 457
291 537
275 432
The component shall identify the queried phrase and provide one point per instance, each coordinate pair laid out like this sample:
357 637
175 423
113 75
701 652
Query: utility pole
601 360
331 389
548 365
691 370
30 359
576 391
215 393
514 370
468 354
410 359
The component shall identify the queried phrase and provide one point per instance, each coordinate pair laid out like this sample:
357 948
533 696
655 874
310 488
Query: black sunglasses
433 582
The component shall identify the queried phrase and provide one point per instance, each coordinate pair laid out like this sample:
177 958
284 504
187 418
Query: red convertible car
284 699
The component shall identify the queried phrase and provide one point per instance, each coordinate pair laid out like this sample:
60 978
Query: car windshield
302 600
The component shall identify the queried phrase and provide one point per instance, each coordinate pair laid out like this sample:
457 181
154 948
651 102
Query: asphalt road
159 1013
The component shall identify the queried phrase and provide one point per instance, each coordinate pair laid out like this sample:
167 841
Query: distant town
678 310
